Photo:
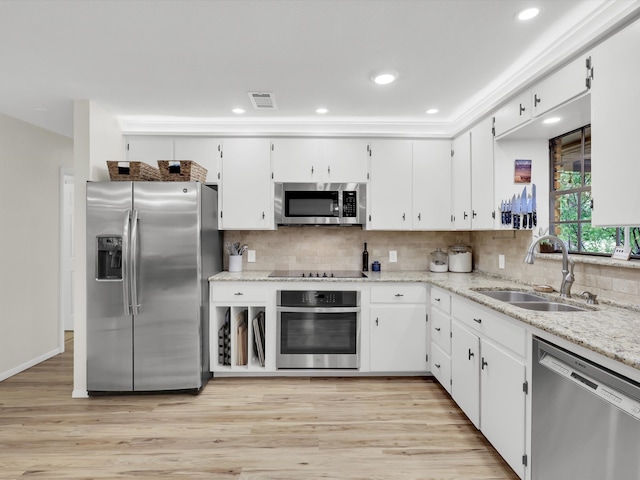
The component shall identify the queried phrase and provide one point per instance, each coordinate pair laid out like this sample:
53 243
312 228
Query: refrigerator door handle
135 307
125 264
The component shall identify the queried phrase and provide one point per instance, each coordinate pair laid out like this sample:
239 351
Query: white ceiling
192 61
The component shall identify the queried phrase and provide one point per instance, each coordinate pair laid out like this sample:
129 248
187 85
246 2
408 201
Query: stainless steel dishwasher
585 419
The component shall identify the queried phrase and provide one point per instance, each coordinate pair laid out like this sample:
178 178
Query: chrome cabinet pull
437 365
477 320
484 363
376 322
437 329
471 354
238 293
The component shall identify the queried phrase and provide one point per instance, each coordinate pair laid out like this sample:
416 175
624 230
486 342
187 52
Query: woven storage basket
132 171
182 171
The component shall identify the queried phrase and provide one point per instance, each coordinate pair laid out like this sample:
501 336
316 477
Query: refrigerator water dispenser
109 261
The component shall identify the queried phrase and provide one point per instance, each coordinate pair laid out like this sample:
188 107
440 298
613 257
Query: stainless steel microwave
320 203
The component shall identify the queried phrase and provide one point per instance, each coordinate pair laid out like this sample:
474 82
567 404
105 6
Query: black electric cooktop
317 274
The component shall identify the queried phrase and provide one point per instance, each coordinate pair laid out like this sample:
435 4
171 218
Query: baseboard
79 394
29 364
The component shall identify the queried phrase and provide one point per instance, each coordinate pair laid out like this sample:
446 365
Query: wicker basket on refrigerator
182 171
132 171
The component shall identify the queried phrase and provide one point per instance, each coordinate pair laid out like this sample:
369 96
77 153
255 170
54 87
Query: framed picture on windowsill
522 171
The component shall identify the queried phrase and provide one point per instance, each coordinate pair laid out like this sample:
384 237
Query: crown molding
573 39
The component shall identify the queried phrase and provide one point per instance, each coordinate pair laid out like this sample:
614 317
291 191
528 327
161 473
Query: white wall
30 162
98 138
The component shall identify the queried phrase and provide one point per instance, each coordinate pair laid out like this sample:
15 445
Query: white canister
439 261
460 258
235 263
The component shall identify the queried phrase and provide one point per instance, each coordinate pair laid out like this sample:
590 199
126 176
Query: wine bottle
365 259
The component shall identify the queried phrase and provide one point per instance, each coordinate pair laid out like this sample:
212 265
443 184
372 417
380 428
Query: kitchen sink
530 301
546 306
513 296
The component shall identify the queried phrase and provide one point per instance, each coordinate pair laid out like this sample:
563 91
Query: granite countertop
609 328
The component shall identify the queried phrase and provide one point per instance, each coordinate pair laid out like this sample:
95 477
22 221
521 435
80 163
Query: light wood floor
257 429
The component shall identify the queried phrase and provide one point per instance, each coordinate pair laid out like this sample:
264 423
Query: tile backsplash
340 248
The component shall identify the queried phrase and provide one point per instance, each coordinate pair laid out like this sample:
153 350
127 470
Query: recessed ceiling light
552 120
238 110
528 14
385 78
431 111
321 110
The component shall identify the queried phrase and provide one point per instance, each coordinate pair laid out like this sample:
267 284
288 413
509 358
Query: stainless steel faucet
567 265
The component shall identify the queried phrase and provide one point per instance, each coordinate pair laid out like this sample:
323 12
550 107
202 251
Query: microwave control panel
349 204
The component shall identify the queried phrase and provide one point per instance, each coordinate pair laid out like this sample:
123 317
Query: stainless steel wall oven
318 329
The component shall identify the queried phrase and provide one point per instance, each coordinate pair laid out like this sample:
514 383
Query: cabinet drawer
490 325
399 294
441 366
441 330
237 292
441 299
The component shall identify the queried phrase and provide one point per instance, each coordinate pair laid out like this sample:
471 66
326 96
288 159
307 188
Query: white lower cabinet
488 377
235 309
502 403
440 329
398 329
465 371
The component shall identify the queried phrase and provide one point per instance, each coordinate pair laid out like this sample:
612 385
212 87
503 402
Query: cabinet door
204 151
247 192
298 160
465 371
560 87
149 150
441 330
482 200
431 185
441 366
461 182
514 114
390 196
345 160
615 125
398 338
502 401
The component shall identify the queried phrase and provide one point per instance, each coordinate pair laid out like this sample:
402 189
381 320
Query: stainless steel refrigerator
151 247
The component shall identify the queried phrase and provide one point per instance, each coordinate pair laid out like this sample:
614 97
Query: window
570 202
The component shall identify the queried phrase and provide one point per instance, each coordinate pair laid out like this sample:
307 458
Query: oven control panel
318 298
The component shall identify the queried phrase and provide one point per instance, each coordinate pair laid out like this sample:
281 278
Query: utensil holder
235 263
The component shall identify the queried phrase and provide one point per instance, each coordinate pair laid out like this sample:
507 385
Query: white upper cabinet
149 149
390 197
319 160
461 182
615 124
514 114
560 87
247 191
203 151
346 160
482 195
431 186
297 160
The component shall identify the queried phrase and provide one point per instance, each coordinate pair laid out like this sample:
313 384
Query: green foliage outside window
570 159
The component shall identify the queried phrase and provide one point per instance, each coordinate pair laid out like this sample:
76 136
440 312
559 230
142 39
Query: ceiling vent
263 100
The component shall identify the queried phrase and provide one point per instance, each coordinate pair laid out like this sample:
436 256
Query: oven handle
318 310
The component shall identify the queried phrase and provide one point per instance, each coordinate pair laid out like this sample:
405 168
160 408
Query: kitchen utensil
534 214
516 212
512 211
523 207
